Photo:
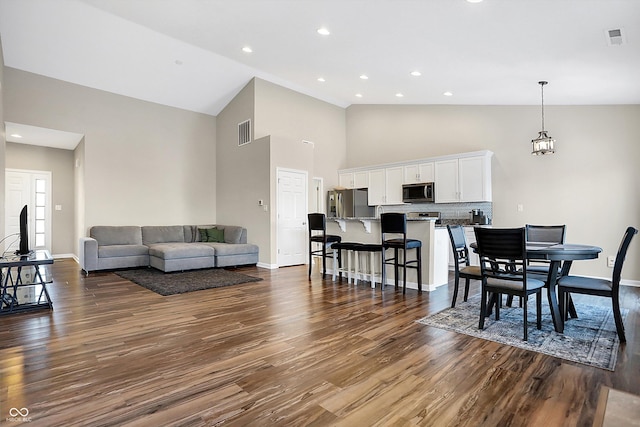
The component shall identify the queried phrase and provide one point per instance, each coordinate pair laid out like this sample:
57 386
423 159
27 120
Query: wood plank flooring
281 352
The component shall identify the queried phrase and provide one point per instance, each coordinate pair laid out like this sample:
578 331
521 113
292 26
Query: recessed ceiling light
358 95
474 1
178 62
399 95
447 93
323 31
321 79
15 135
247 49
416 73
364 77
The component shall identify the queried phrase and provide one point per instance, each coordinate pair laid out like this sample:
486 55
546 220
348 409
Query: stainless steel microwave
417 193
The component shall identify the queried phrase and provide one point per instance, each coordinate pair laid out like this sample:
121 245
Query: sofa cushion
116 235
232 233
180 250
162 234
224 249
111 251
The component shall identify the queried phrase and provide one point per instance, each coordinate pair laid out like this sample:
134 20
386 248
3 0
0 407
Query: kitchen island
434 246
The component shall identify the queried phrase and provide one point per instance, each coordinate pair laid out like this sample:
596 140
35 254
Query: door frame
277 204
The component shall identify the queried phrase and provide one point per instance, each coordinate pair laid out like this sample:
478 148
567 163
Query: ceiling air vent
244 132
615 37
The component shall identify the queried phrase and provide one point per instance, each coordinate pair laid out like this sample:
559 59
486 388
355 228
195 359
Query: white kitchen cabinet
419 173
385 186
354 179
466 179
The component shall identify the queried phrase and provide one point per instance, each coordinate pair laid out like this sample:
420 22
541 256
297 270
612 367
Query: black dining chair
396 224
462 266
599 287
318 235
503 256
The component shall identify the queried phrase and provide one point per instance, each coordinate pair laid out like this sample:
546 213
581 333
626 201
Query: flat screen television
24 233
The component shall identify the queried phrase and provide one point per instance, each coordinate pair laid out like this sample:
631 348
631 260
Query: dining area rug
590 339
184 281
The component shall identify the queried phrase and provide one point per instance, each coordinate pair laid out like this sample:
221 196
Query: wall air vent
244 132
615 37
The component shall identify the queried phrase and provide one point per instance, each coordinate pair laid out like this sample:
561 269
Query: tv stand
10 300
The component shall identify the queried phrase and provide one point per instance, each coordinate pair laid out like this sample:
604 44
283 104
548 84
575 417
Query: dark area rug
590 339
185 281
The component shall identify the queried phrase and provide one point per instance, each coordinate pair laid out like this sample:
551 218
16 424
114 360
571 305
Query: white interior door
31 188
292 217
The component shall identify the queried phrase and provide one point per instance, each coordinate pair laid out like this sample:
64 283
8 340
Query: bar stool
396 223
318 234
370 250
351 248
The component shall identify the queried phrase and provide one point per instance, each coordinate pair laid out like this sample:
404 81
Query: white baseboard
265 265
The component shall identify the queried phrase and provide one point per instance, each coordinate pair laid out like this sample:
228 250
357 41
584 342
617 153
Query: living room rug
590 339
184 281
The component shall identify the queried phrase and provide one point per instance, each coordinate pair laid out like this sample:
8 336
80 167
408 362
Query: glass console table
19 295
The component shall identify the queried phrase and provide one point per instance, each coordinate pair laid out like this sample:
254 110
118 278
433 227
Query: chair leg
383 270
396 270
524 317
310 259
539 309
455 289
618 318
419 257
483 308
404 271
324 259
466 289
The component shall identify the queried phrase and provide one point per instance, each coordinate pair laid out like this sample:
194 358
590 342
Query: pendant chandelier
543 144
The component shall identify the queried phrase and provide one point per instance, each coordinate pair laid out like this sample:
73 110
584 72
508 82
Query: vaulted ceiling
189 53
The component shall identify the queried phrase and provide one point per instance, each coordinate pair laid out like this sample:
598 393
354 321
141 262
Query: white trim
268 266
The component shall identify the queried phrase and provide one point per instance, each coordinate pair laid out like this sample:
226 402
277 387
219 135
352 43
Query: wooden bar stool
318 234
396 223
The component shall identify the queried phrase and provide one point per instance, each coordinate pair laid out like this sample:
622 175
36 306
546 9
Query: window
40 212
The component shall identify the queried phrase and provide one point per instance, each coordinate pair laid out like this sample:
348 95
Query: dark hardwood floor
285 352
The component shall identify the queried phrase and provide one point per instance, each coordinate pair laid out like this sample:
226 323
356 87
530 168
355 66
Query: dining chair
463 269
599 287
503 257
554 234
395 223
318 235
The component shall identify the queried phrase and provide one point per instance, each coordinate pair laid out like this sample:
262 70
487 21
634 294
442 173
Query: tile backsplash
449 212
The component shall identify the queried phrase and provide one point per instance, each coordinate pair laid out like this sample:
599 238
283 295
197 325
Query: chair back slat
502 253
458 245
393 222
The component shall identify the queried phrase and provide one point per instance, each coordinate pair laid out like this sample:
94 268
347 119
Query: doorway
291 224
33 189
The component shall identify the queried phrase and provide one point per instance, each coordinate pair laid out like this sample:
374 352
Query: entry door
292 217
31 188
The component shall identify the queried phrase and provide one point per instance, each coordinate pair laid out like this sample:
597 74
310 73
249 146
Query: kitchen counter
367 230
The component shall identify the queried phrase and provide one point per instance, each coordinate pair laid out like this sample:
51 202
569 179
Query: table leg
558 321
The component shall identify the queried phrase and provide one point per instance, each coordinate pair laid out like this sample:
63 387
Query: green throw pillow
203 234
215 235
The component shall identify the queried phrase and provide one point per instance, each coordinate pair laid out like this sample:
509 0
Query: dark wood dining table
560 256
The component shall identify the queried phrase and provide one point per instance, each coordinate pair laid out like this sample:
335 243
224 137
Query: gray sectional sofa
167 248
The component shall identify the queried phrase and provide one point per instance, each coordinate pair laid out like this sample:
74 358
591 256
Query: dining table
560 257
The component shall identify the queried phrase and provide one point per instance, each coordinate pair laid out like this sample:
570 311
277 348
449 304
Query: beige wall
591 183
289 117
60 164
143 163
243 173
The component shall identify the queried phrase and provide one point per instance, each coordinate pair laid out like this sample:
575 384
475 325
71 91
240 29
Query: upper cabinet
385 186
418 173
465 179
354 179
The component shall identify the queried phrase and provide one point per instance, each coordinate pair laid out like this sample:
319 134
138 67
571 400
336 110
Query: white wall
591 183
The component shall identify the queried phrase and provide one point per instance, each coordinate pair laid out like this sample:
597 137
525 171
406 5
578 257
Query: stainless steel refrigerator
351 203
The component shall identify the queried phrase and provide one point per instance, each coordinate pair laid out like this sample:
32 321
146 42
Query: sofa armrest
88 249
